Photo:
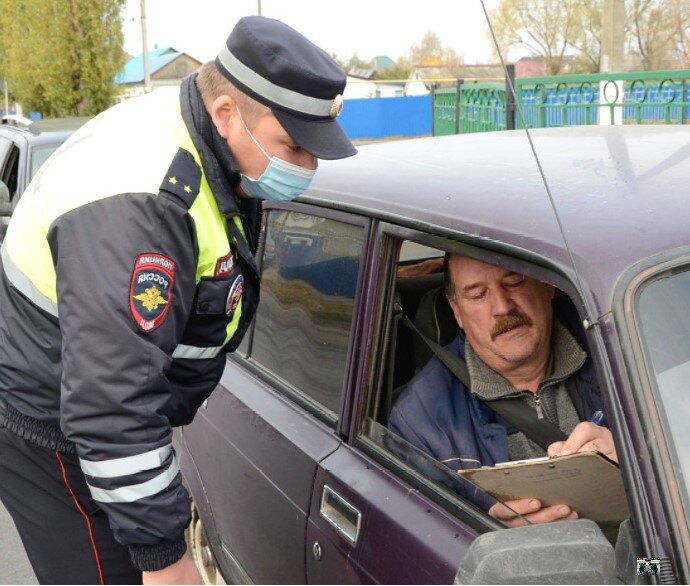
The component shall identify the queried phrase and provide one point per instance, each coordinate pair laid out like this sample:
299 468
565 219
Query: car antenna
588 322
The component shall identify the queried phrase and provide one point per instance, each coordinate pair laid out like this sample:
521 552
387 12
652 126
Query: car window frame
289 391
17 140
5 146
643 388
388 238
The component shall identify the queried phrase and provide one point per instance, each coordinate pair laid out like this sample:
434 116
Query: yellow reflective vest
126 276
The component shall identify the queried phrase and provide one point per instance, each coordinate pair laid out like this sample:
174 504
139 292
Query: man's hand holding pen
587 436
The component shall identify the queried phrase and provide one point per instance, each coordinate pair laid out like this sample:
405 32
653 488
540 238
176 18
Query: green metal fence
481 108
650 97
445 112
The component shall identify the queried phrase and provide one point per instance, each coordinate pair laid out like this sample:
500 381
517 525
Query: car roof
47 131
621 191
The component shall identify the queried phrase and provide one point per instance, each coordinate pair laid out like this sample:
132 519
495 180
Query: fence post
433 108
458 95
684 98
510 96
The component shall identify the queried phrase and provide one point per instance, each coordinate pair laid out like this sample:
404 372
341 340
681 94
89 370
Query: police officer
127 272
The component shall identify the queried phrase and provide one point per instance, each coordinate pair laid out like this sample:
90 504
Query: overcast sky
368 27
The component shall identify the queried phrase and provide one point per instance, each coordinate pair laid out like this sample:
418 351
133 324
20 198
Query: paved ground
14 566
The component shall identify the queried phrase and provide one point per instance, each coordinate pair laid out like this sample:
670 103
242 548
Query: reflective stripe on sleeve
22 284
196 352
135 492
127 465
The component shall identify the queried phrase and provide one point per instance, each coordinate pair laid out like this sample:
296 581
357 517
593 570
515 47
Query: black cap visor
324 139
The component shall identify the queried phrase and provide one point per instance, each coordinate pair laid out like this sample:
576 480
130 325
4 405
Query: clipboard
588 482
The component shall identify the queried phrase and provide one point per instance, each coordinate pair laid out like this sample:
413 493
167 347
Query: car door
381 509
5 146
367 525
257 442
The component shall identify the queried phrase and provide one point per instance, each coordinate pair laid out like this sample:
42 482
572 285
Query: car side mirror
564 552
5 203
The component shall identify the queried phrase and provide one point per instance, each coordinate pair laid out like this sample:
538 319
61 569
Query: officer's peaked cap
298 81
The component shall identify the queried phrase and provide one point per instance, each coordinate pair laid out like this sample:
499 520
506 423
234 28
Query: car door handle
341 515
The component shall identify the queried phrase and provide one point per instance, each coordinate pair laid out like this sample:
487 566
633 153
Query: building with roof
425 78
167 66
382 62
361 84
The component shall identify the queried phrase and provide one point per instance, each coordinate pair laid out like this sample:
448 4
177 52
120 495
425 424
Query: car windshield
663 315
40 154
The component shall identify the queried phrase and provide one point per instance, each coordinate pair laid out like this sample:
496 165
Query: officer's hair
212 84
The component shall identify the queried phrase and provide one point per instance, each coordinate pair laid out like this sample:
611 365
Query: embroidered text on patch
224 265
151 288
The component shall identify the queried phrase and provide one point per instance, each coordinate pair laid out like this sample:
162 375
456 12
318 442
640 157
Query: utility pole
258 6
145 46
613 36
612 91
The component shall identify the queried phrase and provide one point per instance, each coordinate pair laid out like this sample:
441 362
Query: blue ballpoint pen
597 417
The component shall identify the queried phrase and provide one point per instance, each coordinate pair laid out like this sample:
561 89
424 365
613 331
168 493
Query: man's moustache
509 322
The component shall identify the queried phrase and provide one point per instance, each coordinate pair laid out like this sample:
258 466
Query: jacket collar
220 167
219 164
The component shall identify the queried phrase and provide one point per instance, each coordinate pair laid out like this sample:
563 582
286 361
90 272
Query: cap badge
336 106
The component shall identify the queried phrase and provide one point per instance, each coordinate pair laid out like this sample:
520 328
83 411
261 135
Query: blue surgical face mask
281 181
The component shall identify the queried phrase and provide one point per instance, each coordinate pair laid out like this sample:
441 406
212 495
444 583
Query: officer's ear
224 114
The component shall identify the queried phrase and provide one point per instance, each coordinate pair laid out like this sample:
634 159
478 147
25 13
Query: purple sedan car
294 474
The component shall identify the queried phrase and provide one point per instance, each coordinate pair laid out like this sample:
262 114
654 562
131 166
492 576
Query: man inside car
514 348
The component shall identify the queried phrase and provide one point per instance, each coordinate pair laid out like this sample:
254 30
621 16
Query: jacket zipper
537 403
537 400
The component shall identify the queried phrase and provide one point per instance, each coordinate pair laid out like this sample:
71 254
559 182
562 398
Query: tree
567 33
60 57
546 28
650 31
431 52
587 38
401 70
354 62
679 21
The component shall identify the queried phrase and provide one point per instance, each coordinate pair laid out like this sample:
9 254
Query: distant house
530 67
360 84
423 79
167 66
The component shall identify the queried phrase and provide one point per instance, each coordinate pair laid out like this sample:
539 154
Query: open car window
418 278
397 420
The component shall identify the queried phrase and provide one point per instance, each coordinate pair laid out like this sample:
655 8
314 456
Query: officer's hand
183 571
586 437
531 510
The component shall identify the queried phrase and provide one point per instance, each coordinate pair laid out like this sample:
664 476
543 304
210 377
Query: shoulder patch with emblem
151 289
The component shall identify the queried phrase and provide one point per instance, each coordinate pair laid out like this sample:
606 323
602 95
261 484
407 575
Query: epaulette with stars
183 178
